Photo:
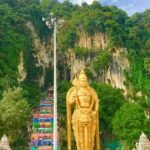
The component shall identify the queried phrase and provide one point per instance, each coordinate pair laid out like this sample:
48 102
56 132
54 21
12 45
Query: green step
33 148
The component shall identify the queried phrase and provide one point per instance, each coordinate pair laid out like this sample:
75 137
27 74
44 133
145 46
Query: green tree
101 62
63 87
128 123
147 127
110 101
14 114
67 39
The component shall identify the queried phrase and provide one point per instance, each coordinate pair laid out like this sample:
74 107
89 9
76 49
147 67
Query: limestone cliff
42 52
99 40
21 69
117 65
115 73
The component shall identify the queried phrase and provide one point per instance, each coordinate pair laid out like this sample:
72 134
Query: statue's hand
72 100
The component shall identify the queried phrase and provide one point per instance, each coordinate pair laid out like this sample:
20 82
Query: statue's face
84 97
83 83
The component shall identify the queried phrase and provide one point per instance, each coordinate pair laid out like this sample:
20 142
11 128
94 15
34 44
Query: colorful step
42 126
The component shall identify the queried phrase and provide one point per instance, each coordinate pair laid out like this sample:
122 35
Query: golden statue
85 118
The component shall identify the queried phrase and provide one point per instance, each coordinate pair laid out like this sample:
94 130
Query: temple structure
4 143
144 143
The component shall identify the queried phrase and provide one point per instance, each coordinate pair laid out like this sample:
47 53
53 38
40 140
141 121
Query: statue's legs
81 137
90 137
93 131
89 134
78 131
84 133
85 138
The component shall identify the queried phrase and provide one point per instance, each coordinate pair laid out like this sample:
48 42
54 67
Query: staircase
42 126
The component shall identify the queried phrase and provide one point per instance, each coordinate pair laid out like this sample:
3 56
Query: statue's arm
69 100
96 108
96 100
71 96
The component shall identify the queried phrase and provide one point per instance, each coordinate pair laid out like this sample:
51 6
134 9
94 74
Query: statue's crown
82 75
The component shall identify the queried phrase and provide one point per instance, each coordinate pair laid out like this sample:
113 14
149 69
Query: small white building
4 143
144 143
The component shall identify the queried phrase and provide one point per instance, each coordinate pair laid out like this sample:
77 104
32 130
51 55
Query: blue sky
130 6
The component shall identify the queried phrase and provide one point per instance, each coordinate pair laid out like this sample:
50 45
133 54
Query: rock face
118 64
99 40
144 143
21 69
4 143
42 52
115 73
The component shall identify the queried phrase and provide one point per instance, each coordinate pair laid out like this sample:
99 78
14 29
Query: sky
130 6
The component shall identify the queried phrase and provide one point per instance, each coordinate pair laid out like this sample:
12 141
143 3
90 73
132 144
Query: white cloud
130 6
90 1
130 9
81 1
114 1
110 1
